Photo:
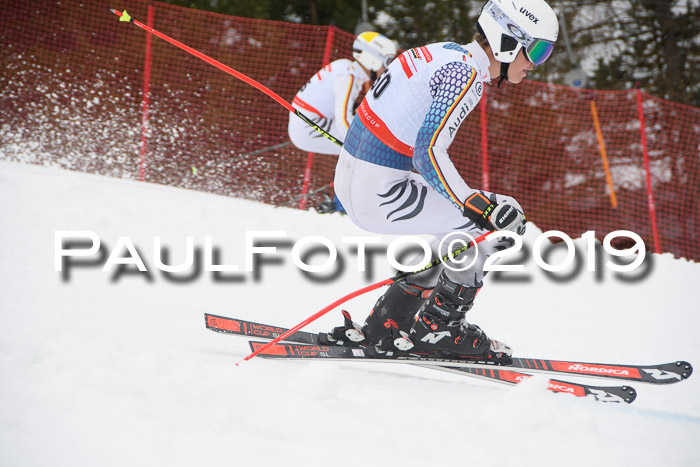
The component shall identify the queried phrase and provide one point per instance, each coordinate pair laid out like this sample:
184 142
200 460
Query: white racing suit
407 121
327 99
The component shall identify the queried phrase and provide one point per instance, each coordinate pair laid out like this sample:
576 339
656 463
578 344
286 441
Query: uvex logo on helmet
532 17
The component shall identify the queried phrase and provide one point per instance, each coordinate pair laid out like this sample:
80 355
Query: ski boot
329 205
394 311
441 331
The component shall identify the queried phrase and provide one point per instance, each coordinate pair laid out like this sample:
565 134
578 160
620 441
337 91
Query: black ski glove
492 216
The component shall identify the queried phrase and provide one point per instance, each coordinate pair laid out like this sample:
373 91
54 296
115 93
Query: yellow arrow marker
125 17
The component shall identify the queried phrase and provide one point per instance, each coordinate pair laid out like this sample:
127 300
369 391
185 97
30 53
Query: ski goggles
539 51
536 50
385 59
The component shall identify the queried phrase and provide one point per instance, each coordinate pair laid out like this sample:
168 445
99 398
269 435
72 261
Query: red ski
246 328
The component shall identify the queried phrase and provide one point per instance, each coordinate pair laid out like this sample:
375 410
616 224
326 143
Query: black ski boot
441 331
394 311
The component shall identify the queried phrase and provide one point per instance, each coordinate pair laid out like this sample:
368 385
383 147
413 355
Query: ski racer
395 176
331 96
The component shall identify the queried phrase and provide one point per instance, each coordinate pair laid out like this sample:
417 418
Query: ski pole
260 151
125 17
298 198
364 290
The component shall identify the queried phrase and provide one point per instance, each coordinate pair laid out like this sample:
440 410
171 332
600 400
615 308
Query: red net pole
650 193
146 94
484 142
307 180
310 158
329 46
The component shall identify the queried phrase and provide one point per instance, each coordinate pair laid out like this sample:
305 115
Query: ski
241 327
665 373
615 394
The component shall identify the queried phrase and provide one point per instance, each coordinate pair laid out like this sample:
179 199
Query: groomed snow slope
99 369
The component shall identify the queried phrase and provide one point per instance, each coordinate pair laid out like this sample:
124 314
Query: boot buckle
352 331
403 343
431 324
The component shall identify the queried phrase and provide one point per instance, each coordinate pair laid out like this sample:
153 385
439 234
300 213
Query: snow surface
105 369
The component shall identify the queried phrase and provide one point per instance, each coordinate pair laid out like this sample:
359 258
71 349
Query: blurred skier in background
330 98
394 176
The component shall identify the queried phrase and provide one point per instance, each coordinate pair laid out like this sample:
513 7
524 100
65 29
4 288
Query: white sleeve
457 92
346 88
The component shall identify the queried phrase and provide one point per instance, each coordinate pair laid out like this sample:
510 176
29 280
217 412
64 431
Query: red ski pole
125 17
359 292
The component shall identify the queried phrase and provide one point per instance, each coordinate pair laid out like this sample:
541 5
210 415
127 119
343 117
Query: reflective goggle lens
539 51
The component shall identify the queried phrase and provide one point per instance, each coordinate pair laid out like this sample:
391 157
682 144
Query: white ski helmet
373 50
511 25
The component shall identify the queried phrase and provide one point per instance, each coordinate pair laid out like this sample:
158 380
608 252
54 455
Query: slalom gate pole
126 18
364 290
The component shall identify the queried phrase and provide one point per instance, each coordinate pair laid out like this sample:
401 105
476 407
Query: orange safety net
73 81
